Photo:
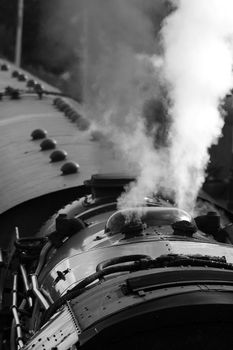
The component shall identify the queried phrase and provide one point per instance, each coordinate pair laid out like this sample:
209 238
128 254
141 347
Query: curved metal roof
25 171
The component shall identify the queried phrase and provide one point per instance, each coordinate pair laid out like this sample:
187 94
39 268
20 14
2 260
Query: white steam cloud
155 93
123 86
198 59
198 64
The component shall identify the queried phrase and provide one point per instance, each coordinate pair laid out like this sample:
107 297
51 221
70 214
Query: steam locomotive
93 276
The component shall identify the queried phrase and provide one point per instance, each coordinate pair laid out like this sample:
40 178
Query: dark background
40 40
31 29
52 38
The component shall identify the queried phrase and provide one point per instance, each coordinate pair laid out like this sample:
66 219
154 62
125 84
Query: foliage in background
39 40
53 39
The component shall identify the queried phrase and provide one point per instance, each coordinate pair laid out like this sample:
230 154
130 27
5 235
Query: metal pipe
12 336
17 233
38 293
1 258
18 44
26 284
17 323
42 257
15 312
47 295
14 291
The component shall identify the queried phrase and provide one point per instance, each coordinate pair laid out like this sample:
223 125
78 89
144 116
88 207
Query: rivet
83 124
48 144
4 67
15 74
63 106
56 101
59 103
38 134
38 88
68 111
15 95
22 77
66 108
69 168
74 116
8 90
31 83
58 155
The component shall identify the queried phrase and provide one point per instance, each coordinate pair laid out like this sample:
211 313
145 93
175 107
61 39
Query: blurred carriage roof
25 171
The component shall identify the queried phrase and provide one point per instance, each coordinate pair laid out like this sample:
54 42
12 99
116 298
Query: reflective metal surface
149 216
82 265
61 332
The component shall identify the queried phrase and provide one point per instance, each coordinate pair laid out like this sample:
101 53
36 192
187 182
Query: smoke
118 38
153 80
196 62
124 92
198 57
122 88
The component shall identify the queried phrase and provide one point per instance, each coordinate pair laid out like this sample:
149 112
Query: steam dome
149 216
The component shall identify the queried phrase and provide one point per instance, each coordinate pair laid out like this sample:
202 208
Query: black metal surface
179 277
175 322
102 184
30 215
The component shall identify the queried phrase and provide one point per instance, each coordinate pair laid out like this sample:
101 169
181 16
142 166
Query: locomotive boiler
100 277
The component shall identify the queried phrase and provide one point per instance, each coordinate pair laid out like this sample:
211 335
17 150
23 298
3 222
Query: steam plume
123 87
198 57
198 62
131 72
